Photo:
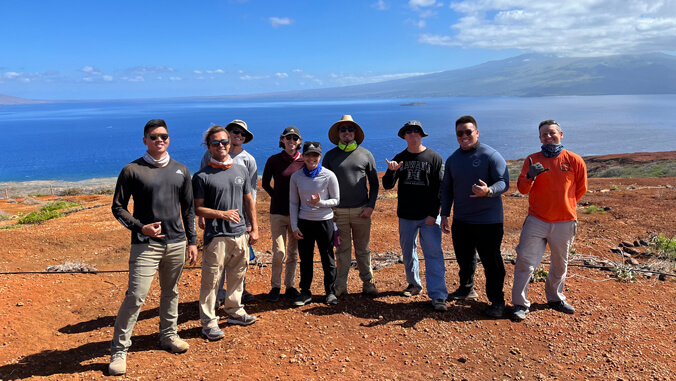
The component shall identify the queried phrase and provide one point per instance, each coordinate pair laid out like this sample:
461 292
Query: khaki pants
231 253
284 247
144 260
352 228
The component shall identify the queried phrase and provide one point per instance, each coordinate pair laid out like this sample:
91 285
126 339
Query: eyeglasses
462 133
294 137
216 143
154 137
413 131
346 129
236 131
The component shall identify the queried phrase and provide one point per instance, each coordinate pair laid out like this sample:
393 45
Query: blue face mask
552 150
312 173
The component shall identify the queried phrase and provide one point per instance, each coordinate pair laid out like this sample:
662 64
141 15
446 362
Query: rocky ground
58 326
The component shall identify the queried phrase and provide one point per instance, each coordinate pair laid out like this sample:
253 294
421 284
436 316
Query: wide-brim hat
309 147
334 134
409 124
248 136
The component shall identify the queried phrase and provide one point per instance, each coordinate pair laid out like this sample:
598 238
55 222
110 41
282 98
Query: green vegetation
38 195
614 187
664 246
660 169
47 212
623 274
7 227
72 192
539 275
4 216
593 209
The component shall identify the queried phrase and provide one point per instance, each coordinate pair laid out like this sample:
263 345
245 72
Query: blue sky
143 49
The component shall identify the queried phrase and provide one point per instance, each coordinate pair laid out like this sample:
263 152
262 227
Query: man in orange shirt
555 179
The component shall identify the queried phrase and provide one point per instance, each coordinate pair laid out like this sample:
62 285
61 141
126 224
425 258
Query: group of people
328 200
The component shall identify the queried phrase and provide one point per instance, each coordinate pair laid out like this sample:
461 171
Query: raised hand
534 169
393 165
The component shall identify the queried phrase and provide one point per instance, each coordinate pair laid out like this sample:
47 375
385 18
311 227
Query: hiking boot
247 296
369 288
118 364
463 295
302 299
496 310
562 306
213 333
174 344
410 291
291 292
439 305
340 290
273 295
331 299
519 313
245 319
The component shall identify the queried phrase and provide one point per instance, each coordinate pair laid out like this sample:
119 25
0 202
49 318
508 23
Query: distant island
414 104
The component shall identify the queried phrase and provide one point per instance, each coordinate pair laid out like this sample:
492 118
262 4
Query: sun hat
309 147
248 136
409 124
358 132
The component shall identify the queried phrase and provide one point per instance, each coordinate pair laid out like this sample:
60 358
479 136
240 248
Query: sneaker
496 310
519 313
302 299
462 295
174 344
245 319
291 293
331 299
247 296
369 288
339 290
118 364
213 333
562 306
439 305
410 291
273 295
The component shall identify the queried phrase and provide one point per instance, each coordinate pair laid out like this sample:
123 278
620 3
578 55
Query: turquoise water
76 141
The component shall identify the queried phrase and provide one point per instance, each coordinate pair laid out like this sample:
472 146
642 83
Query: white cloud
88 79
137 78
415 4
434 39
380 5
175 78
276 22
253 77
91 70
107 78
574 28
342 79
146 70
297 70
282 75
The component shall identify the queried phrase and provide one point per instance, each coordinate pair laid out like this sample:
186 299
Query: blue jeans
430 242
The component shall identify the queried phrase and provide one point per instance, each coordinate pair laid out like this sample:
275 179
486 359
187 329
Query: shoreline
11 189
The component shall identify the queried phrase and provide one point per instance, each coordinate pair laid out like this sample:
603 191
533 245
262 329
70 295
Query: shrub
665 247
539 275
72 192
593 209
47 212
624 274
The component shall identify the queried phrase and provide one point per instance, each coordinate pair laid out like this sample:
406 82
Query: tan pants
352 228
284 247
231 253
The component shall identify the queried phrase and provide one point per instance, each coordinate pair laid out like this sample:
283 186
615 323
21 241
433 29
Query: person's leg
560 241
306 248
213 256
465 254
170 269
488 239
529 251
291 255
361 234
236 263
278 231
344 251
143 262
408 233
325 246
435 266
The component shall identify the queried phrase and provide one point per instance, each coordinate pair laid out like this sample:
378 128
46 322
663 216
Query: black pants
322 233
468 239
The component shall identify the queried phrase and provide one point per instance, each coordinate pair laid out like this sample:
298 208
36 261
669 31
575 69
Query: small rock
19 304
662 277
462 359
626 244
643 242
633 261
631 251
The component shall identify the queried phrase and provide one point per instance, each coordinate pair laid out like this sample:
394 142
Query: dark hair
153 124
549 122
298 146
213 130
466 119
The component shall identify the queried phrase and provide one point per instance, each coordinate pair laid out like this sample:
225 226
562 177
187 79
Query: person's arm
499 172
268 170
205 159
333 192
434 190
253 178
187 203
392 173
250 210
580 179
228 215
294 203
372 177
121 198
447 196
524 184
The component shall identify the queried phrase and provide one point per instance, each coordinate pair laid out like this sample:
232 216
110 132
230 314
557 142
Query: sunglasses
216 143
346 129
413 131
154 137
294 137
236 131
464 133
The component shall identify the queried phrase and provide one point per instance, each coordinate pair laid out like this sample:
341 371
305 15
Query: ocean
81 140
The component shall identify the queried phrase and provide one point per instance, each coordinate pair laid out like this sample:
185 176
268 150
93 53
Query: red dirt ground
58 326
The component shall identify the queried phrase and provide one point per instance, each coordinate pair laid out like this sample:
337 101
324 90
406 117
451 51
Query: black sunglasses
216 143
348 129
462 133
413 130
294 137
236 131
154 137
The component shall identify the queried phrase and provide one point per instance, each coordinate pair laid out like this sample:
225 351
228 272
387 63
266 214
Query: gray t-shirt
354 170
302 187
244 158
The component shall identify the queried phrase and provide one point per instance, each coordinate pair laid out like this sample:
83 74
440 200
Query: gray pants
144 261
535 235
353 228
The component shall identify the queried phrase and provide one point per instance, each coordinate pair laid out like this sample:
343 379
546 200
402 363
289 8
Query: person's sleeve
435 188
294 201
188 209
500 173
390 178
372 176
267 177
334 193
524 184
121 202
253 176
205 159
447 194
581 180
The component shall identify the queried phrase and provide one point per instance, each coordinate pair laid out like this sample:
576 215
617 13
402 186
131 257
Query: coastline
11 189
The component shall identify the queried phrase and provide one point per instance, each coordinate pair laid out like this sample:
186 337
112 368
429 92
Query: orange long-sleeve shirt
553 195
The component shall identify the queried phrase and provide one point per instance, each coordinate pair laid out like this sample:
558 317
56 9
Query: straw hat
334 134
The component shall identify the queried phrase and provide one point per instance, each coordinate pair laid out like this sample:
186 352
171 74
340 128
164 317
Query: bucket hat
411 124
248 136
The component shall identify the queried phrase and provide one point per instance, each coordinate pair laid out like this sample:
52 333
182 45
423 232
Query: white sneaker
118 364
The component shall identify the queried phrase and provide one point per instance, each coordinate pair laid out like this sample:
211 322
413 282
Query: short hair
549 122
466 119
214 130
153 124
